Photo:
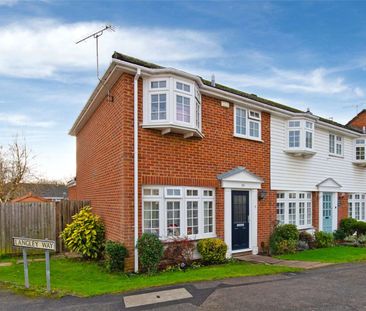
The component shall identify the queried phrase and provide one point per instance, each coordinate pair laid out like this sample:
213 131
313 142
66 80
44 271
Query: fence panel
35 220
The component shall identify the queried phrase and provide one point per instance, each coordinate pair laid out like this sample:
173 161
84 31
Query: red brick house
164 151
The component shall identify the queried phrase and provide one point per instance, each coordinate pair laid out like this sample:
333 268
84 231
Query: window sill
167 240
167 128
249 138
300 152
336 156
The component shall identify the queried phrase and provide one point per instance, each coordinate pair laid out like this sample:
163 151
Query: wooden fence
35 220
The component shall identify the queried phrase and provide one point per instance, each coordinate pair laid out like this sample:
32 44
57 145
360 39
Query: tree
14 169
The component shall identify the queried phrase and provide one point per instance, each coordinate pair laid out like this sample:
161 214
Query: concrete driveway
338 287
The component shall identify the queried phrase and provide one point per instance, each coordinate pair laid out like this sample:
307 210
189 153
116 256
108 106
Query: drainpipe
136 163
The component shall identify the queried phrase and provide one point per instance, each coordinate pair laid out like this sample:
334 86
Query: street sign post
46 245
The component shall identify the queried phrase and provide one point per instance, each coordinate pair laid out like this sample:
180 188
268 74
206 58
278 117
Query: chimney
213 80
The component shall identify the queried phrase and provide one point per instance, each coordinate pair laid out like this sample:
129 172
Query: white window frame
360 143
171 91
296 197
354 200
248 120
303 126
333 145
183 198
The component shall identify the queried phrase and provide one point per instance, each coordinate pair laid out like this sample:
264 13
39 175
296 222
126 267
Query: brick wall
342 206
105 161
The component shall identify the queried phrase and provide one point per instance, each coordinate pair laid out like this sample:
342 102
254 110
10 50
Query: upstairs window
172 105
360 149
158 107
335 145
300 135
183 107
247 123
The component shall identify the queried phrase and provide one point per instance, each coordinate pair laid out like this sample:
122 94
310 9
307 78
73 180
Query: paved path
279 262
333 288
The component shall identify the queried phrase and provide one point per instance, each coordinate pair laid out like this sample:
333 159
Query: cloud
45 48
316 81
23 120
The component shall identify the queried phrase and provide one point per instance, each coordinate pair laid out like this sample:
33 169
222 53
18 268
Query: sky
306 54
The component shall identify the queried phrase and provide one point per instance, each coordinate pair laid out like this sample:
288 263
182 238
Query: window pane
360 153
208 216
183 109
173 218
294 139
331 143
309 125
309 140
294 124
292 213
241 121
301 213
254 129
151 217
281 212
192 217
158 106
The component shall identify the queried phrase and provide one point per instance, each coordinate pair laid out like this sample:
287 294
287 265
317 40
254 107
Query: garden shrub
323 239
360 227
306 237
286 247
339 235
178 251
85 235
115 254
213 251
351 239
361 239
150 250
284 239
348 225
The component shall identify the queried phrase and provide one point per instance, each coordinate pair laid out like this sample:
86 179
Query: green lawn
87 279
337 254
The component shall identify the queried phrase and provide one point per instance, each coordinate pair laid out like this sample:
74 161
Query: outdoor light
262 194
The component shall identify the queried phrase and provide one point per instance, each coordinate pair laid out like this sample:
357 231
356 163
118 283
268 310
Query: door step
242 254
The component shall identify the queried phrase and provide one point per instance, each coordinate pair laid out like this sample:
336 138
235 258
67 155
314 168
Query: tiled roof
268 102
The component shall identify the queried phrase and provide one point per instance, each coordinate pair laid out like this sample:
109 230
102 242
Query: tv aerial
96 36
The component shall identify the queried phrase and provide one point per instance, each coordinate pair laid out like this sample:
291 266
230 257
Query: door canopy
240 178
329 185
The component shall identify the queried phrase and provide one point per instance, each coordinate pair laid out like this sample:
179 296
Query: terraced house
164 151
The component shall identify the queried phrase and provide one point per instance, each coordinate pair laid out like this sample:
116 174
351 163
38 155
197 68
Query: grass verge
338 254
75 277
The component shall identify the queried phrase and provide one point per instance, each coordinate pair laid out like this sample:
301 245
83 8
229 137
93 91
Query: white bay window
360 151
300 137
172 104
294 208
357 206
179 211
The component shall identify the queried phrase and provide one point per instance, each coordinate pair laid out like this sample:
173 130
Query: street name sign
46 245
35 243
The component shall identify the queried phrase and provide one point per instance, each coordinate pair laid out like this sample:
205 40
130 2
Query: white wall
303 174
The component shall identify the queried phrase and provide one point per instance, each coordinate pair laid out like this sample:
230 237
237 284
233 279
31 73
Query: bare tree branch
14 168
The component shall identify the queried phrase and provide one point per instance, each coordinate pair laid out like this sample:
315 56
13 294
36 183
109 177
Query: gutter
136 163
